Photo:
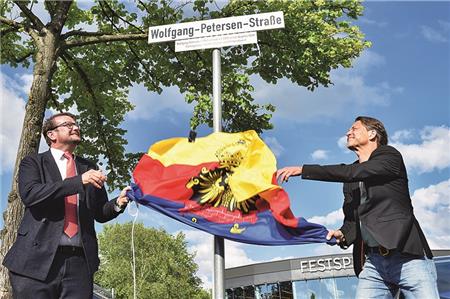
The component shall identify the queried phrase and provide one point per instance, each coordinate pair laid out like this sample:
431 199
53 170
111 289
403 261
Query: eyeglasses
66 124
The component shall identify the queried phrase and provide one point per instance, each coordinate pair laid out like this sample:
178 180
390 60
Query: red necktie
70 219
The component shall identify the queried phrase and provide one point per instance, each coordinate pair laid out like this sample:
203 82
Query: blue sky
403 80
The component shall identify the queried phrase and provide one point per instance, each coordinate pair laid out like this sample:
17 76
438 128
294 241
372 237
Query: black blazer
42 191
387 213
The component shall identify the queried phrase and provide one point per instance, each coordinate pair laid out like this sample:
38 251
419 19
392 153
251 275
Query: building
329 276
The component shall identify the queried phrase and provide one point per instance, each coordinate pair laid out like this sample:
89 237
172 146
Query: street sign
213 27
216 41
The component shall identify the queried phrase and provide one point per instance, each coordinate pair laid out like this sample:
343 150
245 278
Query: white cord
135 215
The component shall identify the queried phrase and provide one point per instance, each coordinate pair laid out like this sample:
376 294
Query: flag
223 184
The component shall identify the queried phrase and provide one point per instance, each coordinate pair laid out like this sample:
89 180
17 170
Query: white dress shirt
61 162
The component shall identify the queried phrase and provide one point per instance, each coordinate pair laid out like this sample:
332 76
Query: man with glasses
56 251
390 251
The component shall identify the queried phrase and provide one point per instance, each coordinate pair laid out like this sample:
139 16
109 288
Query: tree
164 268
92 70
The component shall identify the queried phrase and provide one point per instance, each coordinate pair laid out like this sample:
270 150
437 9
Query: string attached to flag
133 213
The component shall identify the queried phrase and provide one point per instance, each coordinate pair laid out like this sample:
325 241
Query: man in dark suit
56 252
390 251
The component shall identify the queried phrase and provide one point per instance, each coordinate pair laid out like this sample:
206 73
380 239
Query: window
249 292
443 275
267 291
336 288
286 290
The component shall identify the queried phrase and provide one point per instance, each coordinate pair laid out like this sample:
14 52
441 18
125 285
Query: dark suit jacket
42 191
387 213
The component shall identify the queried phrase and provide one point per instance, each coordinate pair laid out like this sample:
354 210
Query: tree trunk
44 68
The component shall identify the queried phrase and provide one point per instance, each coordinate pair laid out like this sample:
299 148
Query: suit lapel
81 168
51 167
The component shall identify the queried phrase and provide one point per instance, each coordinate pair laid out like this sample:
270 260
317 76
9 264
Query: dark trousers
68 278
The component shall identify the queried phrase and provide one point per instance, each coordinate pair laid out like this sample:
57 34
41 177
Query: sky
403 80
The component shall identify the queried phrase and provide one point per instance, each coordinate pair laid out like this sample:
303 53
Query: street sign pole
219 248
217 91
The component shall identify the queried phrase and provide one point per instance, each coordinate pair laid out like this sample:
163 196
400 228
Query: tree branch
50 8
84 77
79 32
20 59
83 41
8 30
117 15
60 15
30 15
146 69
11 23
16 26
145 7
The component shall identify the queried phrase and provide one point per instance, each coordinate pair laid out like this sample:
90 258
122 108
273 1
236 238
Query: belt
379 250
71 250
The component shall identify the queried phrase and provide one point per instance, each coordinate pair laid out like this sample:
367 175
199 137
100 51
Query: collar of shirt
60 160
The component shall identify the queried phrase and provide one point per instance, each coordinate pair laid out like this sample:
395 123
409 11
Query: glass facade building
328 277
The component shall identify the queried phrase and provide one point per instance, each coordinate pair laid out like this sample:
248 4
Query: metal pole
217 91
219 248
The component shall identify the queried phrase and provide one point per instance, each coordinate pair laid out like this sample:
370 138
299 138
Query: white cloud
433 35
350 94
365 20
27 80
445 25
12 109
274 145
319 154
331 220
402 135
431 154
150 104
325 250
432 209
368 59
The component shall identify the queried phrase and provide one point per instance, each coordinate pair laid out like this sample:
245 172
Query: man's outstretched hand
283 174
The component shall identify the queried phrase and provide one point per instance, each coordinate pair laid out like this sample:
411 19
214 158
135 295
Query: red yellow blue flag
223 184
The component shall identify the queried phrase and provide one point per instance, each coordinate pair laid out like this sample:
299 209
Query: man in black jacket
56 252
390 251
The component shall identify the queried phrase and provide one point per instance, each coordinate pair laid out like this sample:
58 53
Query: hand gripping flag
223 184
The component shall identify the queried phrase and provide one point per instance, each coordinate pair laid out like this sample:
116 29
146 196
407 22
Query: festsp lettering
320 265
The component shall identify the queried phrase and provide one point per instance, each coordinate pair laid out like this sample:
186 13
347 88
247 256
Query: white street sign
217 41
239 24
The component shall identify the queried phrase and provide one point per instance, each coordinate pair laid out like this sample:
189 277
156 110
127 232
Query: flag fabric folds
223 184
